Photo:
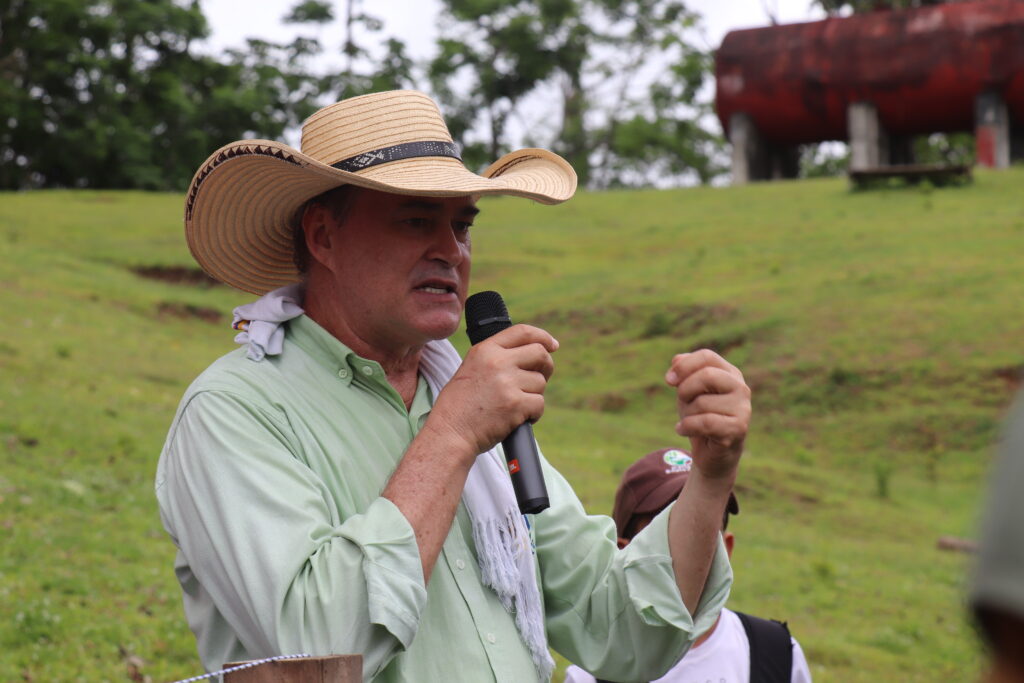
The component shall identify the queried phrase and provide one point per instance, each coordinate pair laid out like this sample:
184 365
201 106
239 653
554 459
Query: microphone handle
524 468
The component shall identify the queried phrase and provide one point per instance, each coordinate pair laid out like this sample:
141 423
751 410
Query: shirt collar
348 366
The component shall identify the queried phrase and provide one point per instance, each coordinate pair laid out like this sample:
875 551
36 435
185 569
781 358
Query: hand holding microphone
498 391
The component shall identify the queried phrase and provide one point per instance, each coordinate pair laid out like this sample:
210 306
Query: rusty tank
922 68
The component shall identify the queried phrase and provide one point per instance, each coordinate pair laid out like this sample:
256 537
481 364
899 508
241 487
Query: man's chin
436 329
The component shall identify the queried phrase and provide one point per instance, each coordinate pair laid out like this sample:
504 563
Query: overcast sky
414 21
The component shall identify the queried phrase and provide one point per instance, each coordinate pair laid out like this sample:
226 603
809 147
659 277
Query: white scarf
503 546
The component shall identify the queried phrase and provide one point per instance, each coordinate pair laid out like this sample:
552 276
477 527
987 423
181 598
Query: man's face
400 266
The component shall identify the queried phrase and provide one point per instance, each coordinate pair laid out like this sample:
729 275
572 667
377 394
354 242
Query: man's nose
447 247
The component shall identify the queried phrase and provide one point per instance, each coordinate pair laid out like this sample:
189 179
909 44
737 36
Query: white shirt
722 658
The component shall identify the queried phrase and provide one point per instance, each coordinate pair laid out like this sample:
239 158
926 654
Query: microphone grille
486 315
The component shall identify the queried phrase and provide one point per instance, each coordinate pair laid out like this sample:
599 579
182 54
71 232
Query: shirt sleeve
617 613
801 672
260 532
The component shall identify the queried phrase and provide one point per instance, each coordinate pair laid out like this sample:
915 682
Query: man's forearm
427 486
695 524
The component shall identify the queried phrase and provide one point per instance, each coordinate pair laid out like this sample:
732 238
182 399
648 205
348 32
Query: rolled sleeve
617 613
648 570
392 567
273 555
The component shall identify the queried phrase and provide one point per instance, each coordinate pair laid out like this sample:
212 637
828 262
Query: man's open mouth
437 288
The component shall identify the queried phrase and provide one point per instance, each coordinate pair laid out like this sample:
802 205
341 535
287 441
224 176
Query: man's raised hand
713 403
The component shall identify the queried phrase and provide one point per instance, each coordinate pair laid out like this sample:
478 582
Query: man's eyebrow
420 205
435 207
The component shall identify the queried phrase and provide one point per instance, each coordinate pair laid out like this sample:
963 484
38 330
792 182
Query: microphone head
486 315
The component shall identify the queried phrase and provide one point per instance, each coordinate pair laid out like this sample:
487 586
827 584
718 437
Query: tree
617 82
110 93
653 129
504 50
362 72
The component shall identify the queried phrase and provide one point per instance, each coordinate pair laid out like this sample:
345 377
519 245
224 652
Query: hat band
406 150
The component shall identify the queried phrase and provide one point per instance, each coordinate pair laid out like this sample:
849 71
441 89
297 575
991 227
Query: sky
415 23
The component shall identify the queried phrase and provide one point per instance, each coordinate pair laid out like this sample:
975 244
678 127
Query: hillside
881 333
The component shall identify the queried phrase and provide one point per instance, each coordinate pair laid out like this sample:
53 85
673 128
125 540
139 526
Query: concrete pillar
747 148
754 158
869 146
991 130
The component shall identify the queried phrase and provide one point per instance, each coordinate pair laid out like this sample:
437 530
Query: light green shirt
269 484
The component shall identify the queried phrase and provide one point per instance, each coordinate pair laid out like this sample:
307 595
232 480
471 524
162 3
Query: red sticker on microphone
513 466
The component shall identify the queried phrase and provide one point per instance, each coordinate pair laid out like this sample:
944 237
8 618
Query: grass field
881 333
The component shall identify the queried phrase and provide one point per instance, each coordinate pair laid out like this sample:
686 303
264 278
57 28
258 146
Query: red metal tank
921 68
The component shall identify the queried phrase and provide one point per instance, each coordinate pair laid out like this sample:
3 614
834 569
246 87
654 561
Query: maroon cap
651 483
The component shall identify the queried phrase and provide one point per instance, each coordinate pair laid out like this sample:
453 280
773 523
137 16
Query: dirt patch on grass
176 275
1013 375
686 322
652 322
176 309
600 320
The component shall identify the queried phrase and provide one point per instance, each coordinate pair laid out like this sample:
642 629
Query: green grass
880 332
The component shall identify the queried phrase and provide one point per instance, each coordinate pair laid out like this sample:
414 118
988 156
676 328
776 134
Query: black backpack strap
771 649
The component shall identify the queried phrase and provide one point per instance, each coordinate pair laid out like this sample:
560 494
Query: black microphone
486 315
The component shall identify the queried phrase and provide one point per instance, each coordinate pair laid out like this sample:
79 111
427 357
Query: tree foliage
120 93
617 80
111 93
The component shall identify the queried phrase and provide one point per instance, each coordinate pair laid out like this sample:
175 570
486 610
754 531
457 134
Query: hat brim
243 199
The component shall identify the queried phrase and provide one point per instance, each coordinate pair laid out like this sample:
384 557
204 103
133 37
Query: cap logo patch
677 461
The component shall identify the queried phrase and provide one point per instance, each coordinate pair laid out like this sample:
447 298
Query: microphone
486 315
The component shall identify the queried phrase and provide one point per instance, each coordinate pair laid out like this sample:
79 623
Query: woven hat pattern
372 122
242 201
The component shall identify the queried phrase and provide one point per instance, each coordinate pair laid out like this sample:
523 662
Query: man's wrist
445 440
719 484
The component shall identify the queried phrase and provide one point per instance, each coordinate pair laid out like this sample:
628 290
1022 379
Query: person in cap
337 484
738 648
996 593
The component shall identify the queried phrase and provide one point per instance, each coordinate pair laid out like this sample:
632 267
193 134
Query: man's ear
317 224
729 540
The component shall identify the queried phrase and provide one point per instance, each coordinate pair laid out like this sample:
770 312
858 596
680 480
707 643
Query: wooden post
331 669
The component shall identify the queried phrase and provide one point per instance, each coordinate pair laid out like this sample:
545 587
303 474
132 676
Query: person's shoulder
236 373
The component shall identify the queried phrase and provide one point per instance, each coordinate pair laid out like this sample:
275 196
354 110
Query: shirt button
460 564
343 373
367 370
491 639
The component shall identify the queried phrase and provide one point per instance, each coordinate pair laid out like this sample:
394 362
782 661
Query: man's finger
521 335
532 357
532 382
685 364
721 429
729 405
709 380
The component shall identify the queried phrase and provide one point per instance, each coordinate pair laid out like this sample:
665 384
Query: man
338 486
996 596
738 648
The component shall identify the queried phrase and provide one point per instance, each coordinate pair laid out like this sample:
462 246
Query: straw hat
243 199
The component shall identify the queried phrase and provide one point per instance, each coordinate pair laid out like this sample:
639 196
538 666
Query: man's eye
417 222
462 226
